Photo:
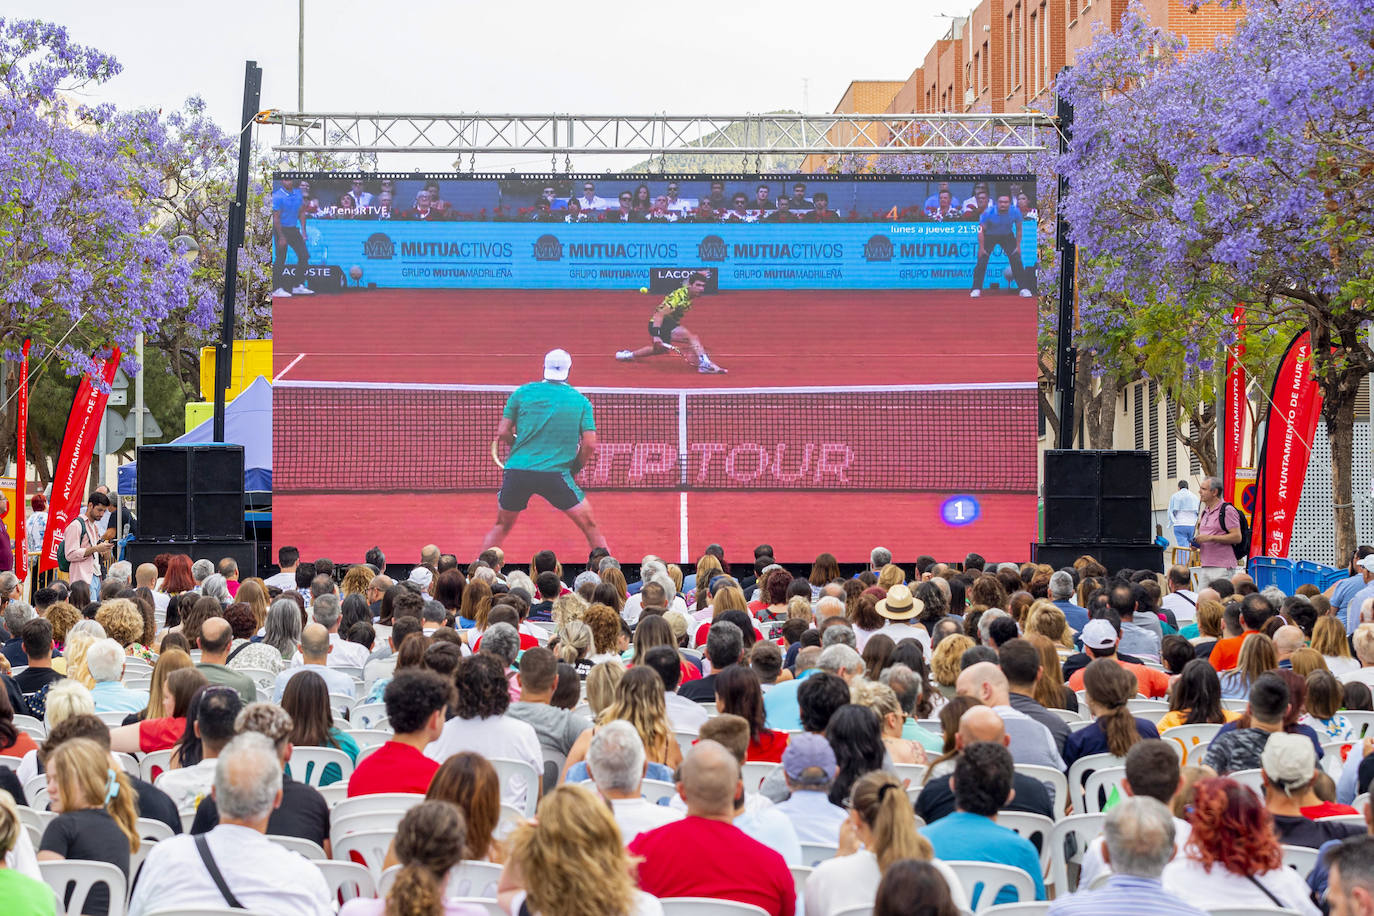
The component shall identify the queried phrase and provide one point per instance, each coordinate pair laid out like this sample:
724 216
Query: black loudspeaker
190 492
1112 556
245 553
1097 497
1073 473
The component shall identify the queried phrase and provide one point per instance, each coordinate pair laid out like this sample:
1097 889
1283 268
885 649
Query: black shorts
663 332
557 487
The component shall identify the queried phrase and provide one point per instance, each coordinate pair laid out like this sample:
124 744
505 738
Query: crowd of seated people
489 735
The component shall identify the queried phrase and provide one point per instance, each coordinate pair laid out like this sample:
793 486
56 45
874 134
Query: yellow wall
251 359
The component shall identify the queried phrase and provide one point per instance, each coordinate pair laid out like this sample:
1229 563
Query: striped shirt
1125 895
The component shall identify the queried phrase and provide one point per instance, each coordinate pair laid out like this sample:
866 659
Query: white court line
289 366
674 392
683 556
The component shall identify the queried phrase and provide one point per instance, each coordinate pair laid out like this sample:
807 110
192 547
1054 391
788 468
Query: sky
615 56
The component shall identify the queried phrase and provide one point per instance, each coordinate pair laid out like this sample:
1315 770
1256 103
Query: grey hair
326 609
283 627
1212 483
87 625
433 612
1139 833
661 577
122 570
502 640
8 582
880 556
202 570
829 601
585 577
1274 594
906 683
838 656
607 563
1061 586
519 579
616 757
266 719
985 623
247 777
105 660
839 635
17 613
214 587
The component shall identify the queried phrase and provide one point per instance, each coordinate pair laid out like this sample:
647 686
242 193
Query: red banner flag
21 477
1294 407
1236 408
74 461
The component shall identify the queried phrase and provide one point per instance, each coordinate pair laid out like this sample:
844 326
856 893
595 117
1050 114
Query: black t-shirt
1081 659
89 834
937 798
702 690
303 813
32 680
156 804
1295 830
19 706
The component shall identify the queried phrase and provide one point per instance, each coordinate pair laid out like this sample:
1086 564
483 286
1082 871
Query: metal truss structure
662 134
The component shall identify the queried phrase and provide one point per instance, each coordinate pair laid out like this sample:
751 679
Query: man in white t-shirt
146 577
1182 600
1183 509
288 558
617 763
900 607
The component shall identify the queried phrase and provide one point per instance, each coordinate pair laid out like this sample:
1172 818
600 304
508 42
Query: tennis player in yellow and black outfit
667 332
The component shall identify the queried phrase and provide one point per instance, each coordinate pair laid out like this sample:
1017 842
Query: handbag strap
1268 893
203 847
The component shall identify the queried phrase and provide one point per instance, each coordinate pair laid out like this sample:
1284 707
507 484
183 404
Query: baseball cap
556 365
1099 634
1289 760
421 576
1367 563
809 760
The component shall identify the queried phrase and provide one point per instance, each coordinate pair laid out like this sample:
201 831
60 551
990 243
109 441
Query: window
1044 44
1154 430
1034 56
1017 61
985 79
1170 440
1139 417
975 77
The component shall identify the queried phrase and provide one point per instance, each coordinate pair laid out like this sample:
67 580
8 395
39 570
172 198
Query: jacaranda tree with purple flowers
1240 175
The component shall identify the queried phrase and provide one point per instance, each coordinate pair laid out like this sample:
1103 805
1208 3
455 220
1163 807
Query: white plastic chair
342 704
1151 715
308 848
366 804
366 715
1355 820
754 772
983 881
655 789
1252 778
1098 789
307 764
1138 705
1068 715
80 876
370 737
706 906
799 875
363 820
1081 767
1028 908
35 821
370 846
352 671
34 727
1360 720
473 879
684 740
1034 827
815 853
1360 801
347 879
1188 737
1084 828
113 718
1303 858
1057 781
1331 762
519 783
334 793
36 791
152 764
138 683
153 829
911 771
129 762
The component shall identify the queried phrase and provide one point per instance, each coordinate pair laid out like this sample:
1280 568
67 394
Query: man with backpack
82 546
1220 531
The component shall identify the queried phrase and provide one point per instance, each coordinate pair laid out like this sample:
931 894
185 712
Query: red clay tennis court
381 431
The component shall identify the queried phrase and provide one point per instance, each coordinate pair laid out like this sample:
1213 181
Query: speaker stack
190 500
1098 503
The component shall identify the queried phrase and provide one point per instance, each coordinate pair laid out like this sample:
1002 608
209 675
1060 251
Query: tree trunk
1100 413
1340 436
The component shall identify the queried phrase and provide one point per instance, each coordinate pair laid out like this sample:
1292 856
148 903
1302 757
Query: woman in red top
13 742
738 693
162 732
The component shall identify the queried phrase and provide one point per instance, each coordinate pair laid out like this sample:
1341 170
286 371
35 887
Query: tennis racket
499 452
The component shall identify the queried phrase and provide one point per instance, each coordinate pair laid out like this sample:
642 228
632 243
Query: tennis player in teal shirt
549 428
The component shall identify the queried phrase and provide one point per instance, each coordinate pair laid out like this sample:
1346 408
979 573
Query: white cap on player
557 363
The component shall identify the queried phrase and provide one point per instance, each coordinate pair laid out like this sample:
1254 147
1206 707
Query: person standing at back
1183 508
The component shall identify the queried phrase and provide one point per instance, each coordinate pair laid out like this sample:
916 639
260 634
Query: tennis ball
644 289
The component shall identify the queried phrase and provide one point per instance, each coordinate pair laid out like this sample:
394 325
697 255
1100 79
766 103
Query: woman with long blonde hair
1257 655
879 832
571 861
638 699
1049 621
616 579
98 813
1329 638
708 567
726 598
255 596
1050 691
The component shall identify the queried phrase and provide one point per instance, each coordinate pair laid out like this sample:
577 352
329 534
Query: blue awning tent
247 422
